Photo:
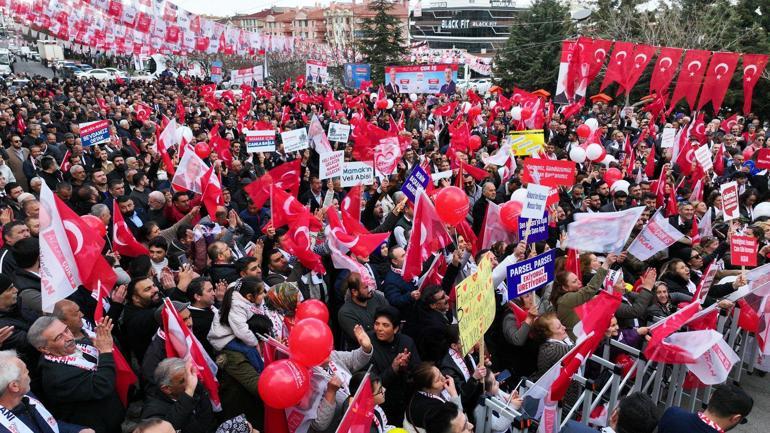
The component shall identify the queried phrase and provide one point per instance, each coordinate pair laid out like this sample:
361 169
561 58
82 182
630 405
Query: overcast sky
231 7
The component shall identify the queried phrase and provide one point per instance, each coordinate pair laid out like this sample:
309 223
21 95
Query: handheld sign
743 251
548 172
534 206
526 142
338 132
416 181
538 229
475 305
730 208
330 164
531 274
763 158
260 141
357 172
94 132
295 140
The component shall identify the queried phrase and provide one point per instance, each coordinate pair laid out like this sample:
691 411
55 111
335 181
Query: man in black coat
683 223
78 379
10 316
488 194
179 398
200 293
138 319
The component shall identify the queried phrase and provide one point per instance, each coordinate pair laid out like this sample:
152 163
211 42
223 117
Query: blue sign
538 229
531 274
94 132
356 73
216 71
416 181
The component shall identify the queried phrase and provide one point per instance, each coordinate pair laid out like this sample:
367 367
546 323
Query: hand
219 290
334 384
232 219
103 339
610 260
5 332
740 281
259 247
480 373
186 275
649 277
191 379
726 304
195 210
118 294
400 206
457 255
167 279
520 250
363 339
642 330
6 216
415 294
449 386
622 257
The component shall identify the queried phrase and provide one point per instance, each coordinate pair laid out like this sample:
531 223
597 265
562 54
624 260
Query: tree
530 58
383 42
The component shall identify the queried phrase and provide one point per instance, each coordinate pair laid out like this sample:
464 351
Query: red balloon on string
203 150
612 175
509 215
312 309
474 112
381 104
474 142
95 224
310 342
452 205
526 113
583 131
283 384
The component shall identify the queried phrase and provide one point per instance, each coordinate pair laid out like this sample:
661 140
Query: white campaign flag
713 357
657 235
190 172
59 276
318 136
604 232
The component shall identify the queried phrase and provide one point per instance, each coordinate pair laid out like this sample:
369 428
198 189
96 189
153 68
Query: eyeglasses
380 391
697 256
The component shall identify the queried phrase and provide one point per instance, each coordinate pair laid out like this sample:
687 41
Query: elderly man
21 412
78 379
156 202
179 398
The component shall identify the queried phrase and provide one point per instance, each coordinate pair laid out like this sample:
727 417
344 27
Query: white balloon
492 104
608 159
372 97
412 97
620 185
577 154
592 123
390 104
594 151
516 113
184 132
466 106
760 210
520 195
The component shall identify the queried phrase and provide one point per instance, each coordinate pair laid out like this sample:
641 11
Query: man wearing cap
156 352
19 410
728 407
78 379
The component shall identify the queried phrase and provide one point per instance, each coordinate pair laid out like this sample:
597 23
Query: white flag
59 274
190 171
604 232
713 357
655 236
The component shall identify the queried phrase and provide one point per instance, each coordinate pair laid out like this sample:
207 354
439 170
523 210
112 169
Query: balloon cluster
285 382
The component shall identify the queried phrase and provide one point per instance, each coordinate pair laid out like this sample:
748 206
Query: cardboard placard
548 172
417 180
531 274
295 140
357 172
338 132
260 141
729 193
94 132
330 164
743 251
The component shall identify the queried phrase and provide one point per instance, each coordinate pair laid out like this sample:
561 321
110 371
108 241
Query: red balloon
452 205
312 308
583 131
283 384
612 175
474 112
310 342
625 362
526 113
95 224
381 104
203 150
474 142
509 215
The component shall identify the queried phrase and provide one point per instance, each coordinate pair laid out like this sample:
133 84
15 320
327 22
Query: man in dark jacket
26 278
139 315
179 399
200 293
488 195
78 379
399 293
222 267
10 316
683 223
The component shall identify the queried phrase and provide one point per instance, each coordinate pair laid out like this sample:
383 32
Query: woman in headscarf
280 304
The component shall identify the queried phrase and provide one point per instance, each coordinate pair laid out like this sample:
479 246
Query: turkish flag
286 209
330 103
595 315
464 229
649 167
661 351
123 240
573 263
298 240
594 56
728 123
182 343
718 76
618 65
142 111
753 65
222 147
180 111
635 66
359 415
428 236
665 69
446 109
690 76
285 176
719 160
362 243
518 313
212 192
572 362
351 206
167 139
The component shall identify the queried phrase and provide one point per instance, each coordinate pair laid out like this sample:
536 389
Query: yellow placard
526 143
475 305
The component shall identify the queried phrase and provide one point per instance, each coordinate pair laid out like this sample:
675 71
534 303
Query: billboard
316 72
421 79
248 75
356 73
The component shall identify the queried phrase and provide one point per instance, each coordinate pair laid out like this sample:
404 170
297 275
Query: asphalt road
759 418
32 68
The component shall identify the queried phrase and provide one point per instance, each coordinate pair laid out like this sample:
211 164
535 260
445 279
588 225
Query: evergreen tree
383 41
530 58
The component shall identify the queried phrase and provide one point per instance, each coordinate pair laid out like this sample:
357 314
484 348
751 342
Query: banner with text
743 251
94 132
526 143
357 173
330 164
295 140
338 132
657 235
316 72
531 274
730 208
421 78
416 181
548 172
475 305
604 232
260 141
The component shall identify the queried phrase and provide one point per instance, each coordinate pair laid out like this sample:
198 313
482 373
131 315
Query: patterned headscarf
283 298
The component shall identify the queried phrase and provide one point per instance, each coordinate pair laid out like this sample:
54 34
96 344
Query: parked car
116 72
99 74
143 76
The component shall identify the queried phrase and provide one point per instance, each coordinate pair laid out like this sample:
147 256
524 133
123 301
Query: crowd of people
232 276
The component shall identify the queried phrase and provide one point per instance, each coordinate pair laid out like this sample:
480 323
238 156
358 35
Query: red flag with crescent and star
690 76
718 77
665 69
753 66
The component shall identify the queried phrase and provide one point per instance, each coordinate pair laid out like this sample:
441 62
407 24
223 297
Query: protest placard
534 206
743 251
260 141
548 172
528 142
357 173
667 137
338 132
295 140
655 236
94 132
538 229
602 232
703 156
730 208
763 158
475 305
531 274
416 181
330 164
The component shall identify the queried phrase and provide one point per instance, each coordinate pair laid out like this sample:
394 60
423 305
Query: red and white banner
604 232
690 76
713 357
665 69
657 235
753 66
729 192
743 250
124 241
717 80
548 172
190 172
